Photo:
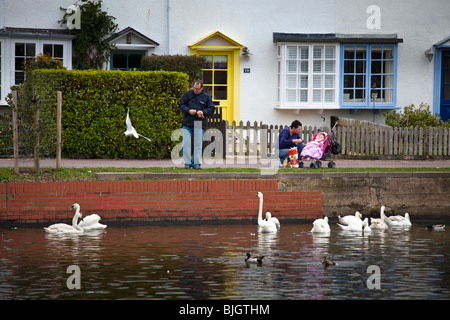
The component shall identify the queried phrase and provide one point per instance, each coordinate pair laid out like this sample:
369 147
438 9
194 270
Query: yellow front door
221 71
217 79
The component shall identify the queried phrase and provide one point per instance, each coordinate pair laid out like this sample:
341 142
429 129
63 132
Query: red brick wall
154 200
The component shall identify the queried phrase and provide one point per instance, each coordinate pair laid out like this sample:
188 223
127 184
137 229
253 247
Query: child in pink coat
314 148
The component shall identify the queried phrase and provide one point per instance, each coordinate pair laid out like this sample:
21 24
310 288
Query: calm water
207 262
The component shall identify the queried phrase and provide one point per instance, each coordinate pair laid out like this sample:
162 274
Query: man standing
288 138
196 107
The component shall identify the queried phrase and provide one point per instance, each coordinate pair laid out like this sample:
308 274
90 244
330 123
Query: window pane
318 52
220 62
349 66
446 92
329 66
388 52
220 93
329 95
376 52
304 67
348 95
317 81
317 66
349 81
207 77
360 53
291 95
388 95
375 82
58 51
119 61
48 49
19 77
208 63
19 62
220 77
31 49
303 96
20 49
349 52
303 53
376 67
330 52
291 66
317 95
360 66
303 81
134 61
388 82
329 81
360 95
360 81
446 62
291 52
291 82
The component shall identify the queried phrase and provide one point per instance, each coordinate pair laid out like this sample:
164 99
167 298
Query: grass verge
80 174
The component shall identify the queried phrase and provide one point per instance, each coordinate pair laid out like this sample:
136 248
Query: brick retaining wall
154 200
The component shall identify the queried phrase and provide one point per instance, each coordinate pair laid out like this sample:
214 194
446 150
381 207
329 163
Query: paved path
235 163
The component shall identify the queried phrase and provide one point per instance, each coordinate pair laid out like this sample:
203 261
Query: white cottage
271 61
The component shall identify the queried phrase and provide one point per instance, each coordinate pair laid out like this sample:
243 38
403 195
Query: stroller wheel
331 164
319 164
301 165
313 165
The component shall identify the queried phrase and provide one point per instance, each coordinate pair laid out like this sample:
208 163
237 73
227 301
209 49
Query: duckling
436 227
327 262
250 259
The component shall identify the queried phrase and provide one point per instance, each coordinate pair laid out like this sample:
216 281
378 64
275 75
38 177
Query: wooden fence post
58 128
15 133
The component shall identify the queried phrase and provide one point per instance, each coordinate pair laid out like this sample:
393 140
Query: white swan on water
356 226
275 220
65 228
378 223
398 221
346 220
264 226
321 226
90 222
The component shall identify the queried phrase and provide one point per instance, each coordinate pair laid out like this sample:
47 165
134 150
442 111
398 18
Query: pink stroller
317 153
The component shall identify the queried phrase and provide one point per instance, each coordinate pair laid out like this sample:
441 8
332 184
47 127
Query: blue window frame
368 76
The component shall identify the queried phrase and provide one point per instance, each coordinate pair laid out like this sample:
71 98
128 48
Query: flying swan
90 222
65 228
264 226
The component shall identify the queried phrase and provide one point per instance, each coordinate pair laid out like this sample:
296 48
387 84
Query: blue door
445 86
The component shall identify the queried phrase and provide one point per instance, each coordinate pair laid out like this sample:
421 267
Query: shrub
191 65
412 116
94 108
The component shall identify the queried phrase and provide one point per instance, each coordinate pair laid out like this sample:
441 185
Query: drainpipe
169 26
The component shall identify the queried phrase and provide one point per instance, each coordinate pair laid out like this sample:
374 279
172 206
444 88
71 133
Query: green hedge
94 108
191 65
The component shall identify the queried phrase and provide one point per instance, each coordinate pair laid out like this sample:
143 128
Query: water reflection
207 262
